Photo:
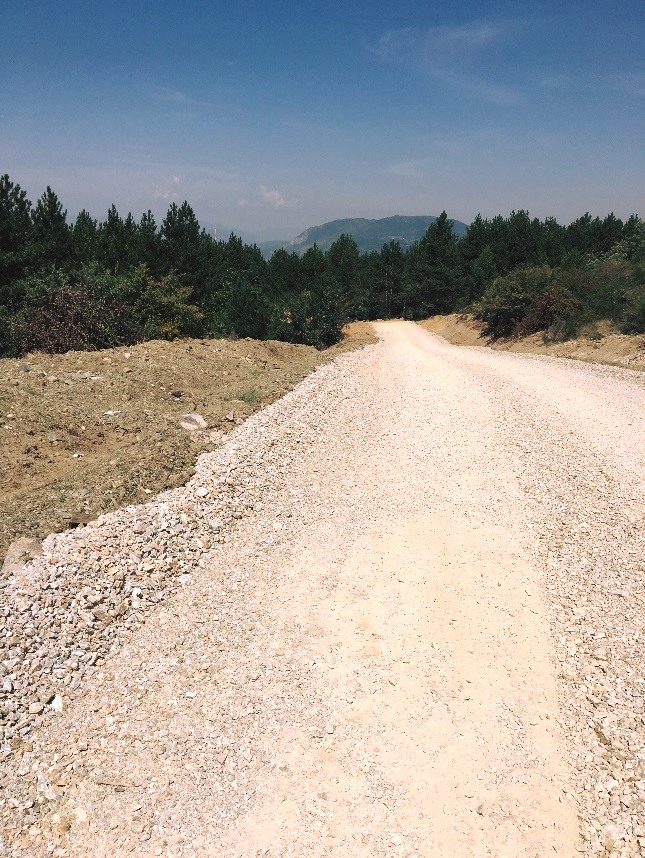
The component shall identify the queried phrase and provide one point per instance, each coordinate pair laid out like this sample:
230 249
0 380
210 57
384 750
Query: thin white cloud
445 54
160 194
166 192
176 180
176 97
626 83
411 44
415 169
497 93
472 35
275 199
241 204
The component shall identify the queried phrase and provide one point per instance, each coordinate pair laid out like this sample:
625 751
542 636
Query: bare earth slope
420 637
598 343
86 432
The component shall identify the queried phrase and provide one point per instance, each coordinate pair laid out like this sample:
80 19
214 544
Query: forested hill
369 234
91 284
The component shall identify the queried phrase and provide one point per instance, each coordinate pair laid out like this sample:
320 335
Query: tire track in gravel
422 640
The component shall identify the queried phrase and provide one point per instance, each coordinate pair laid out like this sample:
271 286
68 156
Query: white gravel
399 612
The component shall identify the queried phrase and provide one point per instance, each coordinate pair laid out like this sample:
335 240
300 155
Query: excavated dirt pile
86 432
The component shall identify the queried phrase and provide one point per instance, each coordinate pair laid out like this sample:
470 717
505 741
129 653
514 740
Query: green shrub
164 308
250 396
72 318
7 344
634 317
507 300
600 288
555 311
94 309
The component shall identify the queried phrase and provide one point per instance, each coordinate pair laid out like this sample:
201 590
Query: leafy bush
245 309
315 317
632 247
560 300
7 344
164 309
71 317
599 287
95 309
507 300
555 311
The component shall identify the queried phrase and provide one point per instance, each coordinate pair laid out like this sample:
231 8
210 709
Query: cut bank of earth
597 343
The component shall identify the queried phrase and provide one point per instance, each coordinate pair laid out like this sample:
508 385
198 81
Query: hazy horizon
270 119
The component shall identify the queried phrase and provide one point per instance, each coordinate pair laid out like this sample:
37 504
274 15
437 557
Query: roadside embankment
600 343
83 433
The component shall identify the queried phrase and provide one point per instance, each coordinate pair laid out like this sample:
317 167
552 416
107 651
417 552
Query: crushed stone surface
399 612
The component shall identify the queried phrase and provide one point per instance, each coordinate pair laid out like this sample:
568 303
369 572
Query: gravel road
398 613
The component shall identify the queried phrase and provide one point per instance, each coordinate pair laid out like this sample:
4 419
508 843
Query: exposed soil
598 343
86 432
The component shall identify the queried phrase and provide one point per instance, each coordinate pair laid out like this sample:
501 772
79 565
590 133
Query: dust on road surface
386 657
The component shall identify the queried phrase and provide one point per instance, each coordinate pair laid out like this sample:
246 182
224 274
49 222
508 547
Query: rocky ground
398 612
86 432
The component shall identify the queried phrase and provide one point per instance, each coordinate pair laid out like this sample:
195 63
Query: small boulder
20 552
57 703
191 422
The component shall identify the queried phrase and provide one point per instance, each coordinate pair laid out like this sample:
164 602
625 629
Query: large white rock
20 552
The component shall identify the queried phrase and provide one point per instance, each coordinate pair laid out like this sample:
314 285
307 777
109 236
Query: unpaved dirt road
422 637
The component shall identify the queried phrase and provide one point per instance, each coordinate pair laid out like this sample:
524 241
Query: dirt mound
598 343
86 432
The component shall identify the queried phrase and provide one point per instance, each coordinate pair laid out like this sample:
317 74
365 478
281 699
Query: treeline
90 284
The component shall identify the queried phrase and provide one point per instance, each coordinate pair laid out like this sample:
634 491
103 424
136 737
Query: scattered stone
57 703
192 422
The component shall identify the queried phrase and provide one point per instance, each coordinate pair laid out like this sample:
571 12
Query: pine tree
483 273
343 260
16 249
84 239
147 242
51 233
391 265
181 242
433 278
111 238
283 273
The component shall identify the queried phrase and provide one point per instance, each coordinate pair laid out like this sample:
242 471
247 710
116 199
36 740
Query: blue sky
274 116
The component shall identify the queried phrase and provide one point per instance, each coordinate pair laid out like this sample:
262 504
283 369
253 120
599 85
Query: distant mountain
368 234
